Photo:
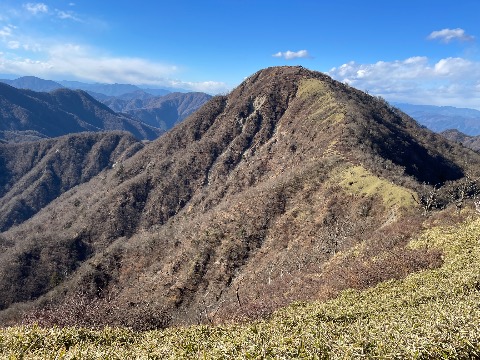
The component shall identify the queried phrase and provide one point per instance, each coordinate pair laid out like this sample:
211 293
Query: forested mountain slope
292 187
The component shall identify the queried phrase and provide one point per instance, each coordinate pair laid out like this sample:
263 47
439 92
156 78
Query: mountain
157 107
161 92
161 111
40 85
111 89
441 118
106 89
35 173
33 83
472 142
292 187
29 115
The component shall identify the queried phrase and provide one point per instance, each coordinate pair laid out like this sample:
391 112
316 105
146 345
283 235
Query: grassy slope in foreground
430 314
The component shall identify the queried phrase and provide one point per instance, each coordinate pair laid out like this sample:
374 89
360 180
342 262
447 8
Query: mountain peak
243 204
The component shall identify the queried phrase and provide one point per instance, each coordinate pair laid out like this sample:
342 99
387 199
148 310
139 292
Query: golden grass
359 181
429 315
326 107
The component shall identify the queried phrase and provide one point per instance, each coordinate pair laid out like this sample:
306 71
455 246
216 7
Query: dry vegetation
28 115
33 174
428 315
293 187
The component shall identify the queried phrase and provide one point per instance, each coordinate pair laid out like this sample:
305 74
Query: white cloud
13 45
447 35
211 87
289 55
6 31
36 8
75 62
64 15
449 81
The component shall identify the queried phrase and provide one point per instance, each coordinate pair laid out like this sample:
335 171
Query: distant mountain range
159 111
37 84
441 118
156 107
33 83
28 115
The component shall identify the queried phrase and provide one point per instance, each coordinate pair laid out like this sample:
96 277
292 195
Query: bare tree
428 198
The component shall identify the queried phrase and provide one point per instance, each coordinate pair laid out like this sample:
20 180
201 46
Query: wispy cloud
71 61
6 31
41 8
450 81
13 45
211 87
289 55
26 53
67 15
36 8
448 35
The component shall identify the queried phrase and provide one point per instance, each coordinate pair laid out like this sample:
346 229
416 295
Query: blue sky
422 51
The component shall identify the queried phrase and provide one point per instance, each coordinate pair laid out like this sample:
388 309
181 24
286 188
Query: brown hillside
27 115
292 187
472 142
33 174
163 111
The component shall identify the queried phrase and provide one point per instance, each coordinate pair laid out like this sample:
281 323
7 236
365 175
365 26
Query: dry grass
430 314
359 181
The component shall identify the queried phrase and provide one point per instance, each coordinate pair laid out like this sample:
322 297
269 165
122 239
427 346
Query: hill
35 173
472 142
292 187
156 107
429 314
441 118
159 111
43 115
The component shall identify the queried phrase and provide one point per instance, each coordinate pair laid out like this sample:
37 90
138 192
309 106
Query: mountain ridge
240 209
35 173
156 107
60 112
472 142
441 118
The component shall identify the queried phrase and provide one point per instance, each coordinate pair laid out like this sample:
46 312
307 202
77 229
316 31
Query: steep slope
33 174
472 142
61 112
160 111
431 314
292 187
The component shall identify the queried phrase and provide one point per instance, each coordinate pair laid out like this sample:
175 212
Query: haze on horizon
415 52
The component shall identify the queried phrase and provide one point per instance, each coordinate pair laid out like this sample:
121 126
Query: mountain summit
292 187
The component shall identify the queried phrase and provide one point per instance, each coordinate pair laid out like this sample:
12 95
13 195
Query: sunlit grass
322 104
430 314
358 180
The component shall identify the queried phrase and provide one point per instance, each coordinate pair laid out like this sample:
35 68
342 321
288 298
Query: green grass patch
429 315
